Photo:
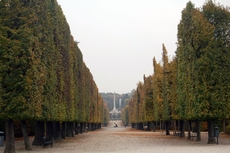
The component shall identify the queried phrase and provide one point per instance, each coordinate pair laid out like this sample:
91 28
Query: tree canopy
42 72
193 85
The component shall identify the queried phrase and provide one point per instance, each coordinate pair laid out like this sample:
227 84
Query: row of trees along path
195 84
43 77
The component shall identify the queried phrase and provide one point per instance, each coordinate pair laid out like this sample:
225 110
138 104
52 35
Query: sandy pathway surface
128 140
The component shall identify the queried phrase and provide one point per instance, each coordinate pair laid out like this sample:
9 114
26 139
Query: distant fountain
120 104
115 114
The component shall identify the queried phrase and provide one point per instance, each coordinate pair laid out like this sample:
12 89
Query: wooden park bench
47 142
177 133
193 135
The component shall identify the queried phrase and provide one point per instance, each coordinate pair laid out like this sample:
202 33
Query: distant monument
120 104
115 114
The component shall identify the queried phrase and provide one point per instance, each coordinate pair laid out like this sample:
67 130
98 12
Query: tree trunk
63 130
198 130
49 130
96 125
25 136
154 126
39 134
76 128
81 128
148 126
10 145
138 126
142 126
71 130
224 125
90 126
167 128
211 138
182 128
174 127
189 129
57 131
69 126
84 127
178 126
87 126
160 125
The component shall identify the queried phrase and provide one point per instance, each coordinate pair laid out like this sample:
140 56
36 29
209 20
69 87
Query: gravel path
128 140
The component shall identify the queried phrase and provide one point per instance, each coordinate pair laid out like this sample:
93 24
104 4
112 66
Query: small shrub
228 130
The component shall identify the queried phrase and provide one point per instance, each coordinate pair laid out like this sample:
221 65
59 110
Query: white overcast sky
119 38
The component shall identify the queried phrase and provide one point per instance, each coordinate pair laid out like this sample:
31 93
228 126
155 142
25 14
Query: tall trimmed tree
166 112
203 65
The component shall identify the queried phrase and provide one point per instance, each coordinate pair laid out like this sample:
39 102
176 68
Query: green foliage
203 63
166 115
218 80
185 61
136 105
106 115
172 96
148 98
14 61
157 90
125 114
132 111
195 84
42 73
